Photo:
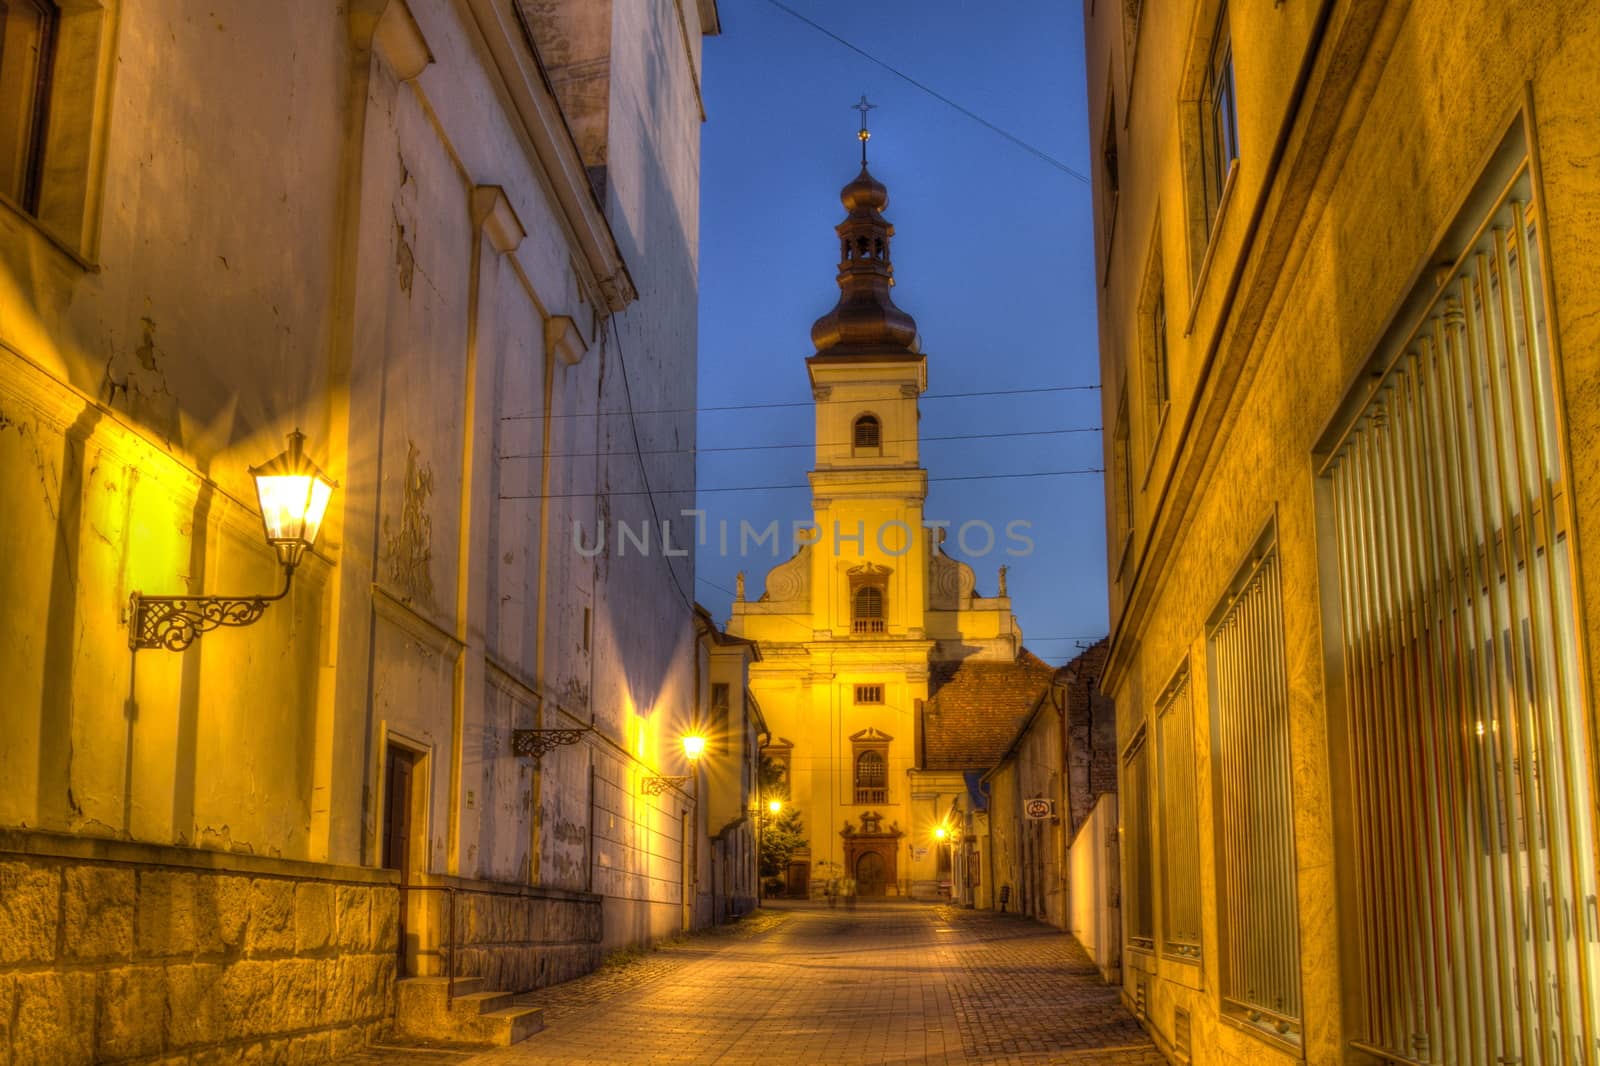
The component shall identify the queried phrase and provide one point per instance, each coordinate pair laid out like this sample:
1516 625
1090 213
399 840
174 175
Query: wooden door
869 874
399 773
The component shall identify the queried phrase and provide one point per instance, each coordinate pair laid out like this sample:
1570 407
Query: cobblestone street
887 983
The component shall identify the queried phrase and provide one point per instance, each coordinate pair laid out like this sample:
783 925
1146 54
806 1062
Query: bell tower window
867 610
867 435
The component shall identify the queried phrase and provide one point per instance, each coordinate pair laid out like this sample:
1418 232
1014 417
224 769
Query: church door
869 874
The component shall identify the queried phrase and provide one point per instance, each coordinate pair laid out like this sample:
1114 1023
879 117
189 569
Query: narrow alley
889 982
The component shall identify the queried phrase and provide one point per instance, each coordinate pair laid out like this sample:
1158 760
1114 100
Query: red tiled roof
975 708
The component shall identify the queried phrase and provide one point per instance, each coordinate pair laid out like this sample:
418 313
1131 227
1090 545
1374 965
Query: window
1133 794
1260 964
867 609
1131 9
1122 479
1160 385
1110 182
1219 133
1180 842
27 53
1463 687
719 715
872 777
1154 356
869 693
867 434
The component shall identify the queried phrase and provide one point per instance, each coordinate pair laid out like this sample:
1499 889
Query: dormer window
867 434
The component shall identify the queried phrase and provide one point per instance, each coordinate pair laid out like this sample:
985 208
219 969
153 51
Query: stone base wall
515 938
118 952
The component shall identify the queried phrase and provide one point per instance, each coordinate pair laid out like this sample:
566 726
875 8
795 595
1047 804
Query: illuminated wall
367 222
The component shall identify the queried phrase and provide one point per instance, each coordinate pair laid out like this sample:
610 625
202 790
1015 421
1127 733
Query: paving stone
890 982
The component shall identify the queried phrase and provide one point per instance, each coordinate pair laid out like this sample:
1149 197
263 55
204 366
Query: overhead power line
808 444
768 405
644 474
775 488
936 94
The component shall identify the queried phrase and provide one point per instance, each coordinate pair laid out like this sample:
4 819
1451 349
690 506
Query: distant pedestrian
848 885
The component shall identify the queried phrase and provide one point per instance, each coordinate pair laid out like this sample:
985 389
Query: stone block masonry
118 952
516 938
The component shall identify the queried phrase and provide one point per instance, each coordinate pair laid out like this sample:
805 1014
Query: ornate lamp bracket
175 622
654 786
536 743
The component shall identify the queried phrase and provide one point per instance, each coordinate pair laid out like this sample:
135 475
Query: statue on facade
1003 580
738 587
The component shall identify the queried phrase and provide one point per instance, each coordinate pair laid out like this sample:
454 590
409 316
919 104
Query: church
887 680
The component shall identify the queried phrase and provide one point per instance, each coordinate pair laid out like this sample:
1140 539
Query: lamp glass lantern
294 495
694 746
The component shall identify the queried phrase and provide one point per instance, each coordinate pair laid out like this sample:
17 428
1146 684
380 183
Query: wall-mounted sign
1039 808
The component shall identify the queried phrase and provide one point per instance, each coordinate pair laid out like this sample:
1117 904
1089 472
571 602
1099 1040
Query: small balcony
872 795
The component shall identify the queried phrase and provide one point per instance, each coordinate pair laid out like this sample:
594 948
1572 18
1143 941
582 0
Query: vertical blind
1180 845
1471 791
1256 875
1134 799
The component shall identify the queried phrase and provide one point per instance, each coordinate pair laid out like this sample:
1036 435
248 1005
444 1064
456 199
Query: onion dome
865 321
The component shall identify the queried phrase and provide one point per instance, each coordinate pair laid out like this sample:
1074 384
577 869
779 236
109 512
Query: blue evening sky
993 256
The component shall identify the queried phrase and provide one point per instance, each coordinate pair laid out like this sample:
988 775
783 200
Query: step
480 1002
509 1025
425 1011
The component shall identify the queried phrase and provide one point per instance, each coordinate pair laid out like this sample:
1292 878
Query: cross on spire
865 135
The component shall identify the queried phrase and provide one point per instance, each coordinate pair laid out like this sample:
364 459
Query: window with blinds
1260 964
1133 798
1471 798
1180 842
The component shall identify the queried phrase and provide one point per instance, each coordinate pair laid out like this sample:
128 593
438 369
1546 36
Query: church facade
859 629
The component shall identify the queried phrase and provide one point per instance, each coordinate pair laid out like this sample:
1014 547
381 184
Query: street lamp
694 746
293 493
775 807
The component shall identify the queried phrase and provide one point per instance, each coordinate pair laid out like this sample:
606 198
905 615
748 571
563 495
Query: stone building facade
1349 344
454 242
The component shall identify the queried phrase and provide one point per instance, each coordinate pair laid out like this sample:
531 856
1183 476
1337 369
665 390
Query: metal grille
1469 755
1134 795
1180 843
1256 885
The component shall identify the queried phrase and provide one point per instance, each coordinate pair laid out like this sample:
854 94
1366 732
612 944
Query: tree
781 834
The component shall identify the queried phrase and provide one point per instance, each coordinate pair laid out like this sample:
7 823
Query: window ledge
13 209
1211 245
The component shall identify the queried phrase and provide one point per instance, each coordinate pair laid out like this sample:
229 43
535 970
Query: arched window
872 777
867 433
867 610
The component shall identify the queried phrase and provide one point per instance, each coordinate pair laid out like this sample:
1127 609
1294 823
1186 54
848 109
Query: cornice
516 60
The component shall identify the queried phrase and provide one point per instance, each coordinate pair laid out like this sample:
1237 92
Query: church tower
854 627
